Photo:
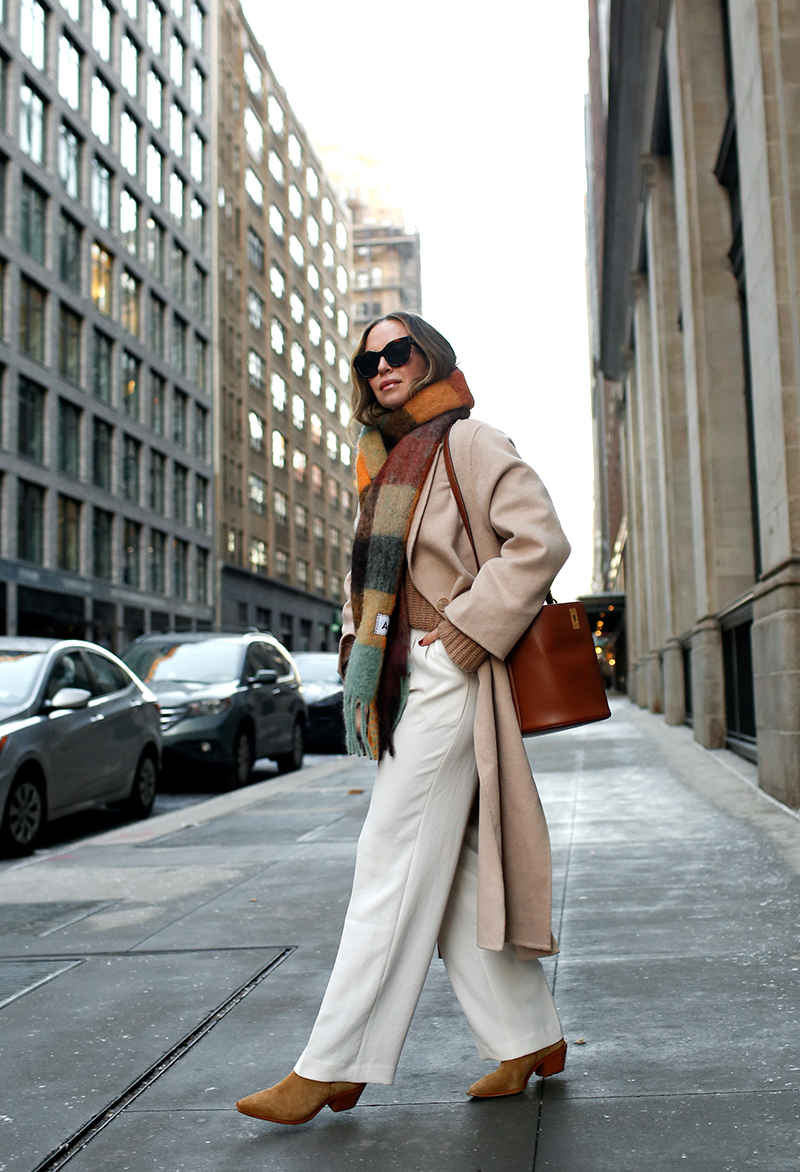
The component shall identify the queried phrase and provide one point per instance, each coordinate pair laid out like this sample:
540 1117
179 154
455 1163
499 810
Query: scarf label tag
381 624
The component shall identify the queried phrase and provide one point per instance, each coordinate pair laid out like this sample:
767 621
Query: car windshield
18 672
213 661
322 669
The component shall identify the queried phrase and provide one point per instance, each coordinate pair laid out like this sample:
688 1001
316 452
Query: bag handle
462 508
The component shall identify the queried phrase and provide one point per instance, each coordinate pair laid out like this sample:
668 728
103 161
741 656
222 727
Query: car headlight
207 707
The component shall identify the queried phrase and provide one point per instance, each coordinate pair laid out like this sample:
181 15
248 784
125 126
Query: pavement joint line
84 1135
86 954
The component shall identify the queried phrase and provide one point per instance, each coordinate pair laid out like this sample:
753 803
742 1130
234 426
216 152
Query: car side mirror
71 698
266 675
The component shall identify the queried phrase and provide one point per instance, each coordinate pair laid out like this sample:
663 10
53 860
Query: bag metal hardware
576 622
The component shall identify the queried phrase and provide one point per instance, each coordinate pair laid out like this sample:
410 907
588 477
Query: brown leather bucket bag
553 670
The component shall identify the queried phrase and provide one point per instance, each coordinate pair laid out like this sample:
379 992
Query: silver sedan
77 730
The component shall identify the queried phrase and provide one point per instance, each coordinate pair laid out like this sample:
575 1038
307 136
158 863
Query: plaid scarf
393 460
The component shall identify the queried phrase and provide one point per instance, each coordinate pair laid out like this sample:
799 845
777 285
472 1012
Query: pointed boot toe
296 1099
512 1076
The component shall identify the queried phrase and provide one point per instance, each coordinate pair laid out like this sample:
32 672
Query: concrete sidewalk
177 964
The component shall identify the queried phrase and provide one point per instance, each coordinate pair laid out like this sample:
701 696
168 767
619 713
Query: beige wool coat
521 548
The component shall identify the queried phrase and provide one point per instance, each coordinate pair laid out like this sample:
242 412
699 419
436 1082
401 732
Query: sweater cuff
345 647
464 652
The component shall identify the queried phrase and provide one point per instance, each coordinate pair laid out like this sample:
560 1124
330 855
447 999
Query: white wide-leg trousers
415 883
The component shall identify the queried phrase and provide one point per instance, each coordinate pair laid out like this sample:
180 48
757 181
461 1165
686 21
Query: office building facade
693 225
105 339
285 474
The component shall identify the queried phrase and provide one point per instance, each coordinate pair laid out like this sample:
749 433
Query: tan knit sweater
464 652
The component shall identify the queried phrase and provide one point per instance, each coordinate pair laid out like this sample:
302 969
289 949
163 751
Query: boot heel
553 1063
347 1100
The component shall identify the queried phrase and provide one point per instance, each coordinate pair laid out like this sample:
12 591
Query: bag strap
462 508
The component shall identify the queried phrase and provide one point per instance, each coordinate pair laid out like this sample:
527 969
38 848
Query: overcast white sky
476 114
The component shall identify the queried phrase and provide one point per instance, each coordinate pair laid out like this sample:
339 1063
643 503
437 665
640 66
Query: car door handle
100 716
276 691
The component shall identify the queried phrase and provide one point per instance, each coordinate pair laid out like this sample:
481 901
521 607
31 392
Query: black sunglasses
396 353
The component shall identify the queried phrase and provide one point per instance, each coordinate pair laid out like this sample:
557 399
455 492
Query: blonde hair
440 356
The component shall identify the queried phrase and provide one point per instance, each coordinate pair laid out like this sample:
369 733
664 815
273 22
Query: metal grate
18 977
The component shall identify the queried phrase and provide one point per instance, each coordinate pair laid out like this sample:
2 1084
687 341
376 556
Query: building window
197 157
156 247
256 430
333 445
129 66
275 167
297 307
315 379
301 572
199 292
197 26
158 464
295 151
313 276
131 554
158 390
102 536
69 161
154 173
31 123
255 189
333 492
176 129
330 398
312 182
101 28
180 334
31 401
69 344
32 18
316 429
301 521
158 561
252 74
158 315
347 503
255 309
33 220
253 133
154 23
298 359
177 196
200 432
277 281
102 439
282 565
319 580
31 319
180 487
278 391
342 323
276 221
130 303
280 507
102 347
344 454
69 522
299 411
258 556
101 278
255 250
277 336
296 202
176 56
69 72
129 222
256 370
180 409
30 522
129 143
201 575
312 228
101 193
197 91
257 494
296 251
130 384
180 569
101 110
197 213
299 462
69 252
278 450
316 479
131 453
201 502
69 437
178 263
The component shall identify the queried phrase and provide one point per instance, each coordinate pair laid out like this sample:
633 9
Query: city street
155 972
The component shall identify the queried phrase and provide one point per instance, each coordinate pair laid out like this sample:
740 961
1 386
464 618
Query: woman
427 695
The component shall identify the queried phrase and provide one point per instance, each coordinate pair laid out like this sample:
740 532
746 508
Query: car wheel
23 817
244 756
288 762
143 790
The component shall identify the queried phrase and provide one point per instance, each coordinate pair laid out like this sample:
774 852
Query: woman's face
392 386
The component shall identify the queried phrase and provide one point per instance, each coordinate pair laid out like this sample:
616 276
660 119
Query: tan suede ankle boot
296 1099
512 1076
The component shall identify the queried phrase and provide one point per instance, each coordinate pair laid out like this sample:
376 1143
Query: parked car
323 693
225 700
77 730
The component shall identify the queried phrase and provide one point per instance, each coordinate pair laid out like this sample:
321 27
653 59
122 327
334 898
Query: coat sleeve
507 502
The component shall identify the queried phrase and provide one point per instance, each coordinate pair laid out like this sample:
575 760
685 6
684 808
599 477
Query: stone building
285 480
105 330
694 251
387 262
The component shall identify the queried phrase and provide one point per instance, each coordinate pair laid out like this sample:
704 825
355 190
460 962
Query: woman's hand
431 637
